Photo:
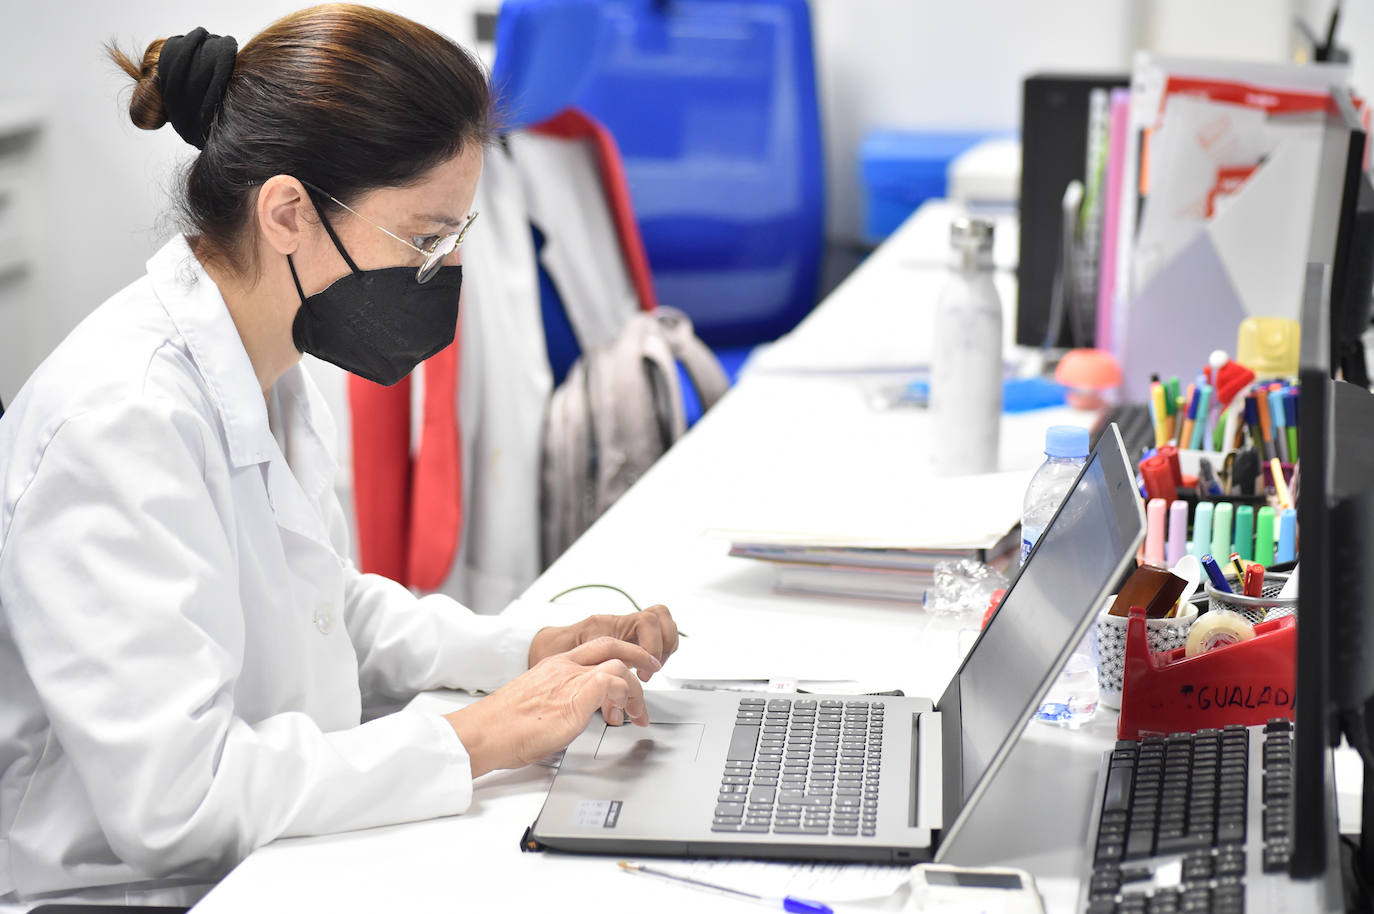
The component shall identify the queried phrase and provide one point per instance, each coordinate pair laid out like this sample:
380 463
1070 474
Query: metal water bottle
966 360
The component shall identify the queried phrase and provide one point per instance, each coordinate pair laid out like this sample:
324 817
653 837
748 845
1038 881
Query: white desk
777 433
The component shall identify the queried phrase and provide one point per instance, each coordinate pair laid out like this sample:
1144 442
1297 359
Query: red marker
1254 580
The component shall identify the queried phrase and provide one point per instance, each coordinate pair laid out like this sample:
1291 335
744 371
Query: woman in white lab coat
187 656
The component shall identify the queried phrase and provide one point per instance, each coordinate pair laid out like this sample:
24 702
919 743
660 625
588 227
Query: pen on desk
1254 580
1214 574
787 902
1237 567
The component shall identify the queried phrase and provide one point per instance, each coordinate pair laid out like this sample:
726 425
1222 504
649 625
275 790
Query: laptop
835 777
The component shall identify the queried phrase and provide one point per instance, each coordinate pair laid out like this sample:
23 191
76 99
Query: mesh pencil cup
1256 609
1162 635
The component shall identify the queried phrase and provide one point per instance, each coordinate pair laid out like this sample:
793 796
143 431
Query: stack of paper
887 547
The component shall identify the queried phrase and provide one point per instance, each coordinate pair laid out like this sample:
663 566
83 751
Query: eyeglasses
434 248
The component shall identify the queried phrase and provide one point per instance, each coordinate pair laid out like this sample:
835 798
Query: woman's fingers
667 627
599 650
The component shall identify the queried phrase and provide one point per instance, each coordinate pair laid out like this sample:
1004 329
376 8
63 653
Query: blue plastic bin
901 169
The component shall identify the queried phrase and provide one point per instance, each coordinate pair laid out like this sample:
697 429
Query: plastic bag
963 587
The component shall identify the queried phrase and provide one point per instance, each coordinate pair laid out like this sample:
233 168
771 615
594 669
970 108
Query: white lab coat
185 652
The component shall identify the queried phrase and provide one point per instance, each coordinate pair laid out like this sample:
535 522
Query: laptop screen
1049 607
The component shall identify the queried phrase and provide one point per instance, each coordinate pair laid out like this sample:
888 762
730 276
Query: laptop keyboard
1187 795
802 766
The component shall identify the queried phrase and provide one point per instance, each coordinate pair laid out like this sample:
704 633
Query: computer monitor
1335 502
1335 514
1352 274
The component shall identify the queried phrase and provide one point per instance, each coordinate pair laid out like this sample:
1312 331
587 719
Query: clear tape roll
1215 629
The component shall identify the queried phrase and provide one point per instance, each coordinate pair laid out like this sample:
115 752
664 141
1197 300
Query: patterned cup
1110 631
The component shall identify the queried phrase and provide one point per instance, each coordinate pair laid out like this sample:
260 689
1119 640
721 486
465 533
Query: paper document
827 882
901 509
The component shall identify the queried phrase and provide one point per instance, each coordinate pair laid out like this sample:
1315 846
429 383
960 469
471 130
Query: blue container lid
1066 441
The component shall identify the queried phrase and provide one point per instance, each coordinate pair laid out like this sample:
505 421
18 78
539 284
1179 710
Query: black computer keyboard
1185 801
802 767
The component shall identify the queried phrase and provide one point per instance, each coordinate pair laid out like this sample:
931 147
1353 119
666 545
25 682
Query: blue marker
1218 579
1204 409
1279 419
1287 547
1202 529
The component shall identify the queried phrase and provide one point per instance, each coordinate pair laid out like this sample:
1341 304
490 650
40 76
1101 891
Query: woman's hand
652 629
541 711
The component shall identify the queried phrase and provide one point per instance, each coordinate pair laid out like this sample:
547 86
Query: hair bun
193 73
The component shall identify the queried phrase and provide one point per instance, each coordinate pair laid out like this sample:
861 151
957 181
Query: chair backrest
713 106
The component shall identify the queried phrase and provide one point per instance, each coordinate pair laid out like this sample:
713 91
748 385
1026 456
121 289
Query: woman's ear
281 210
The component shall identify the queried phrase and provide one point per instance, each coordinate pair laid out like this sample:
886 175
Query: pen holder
1249 682
1161 635
1255 609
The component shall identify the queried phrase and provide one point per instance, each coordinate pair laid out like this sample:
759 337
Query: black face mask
377 324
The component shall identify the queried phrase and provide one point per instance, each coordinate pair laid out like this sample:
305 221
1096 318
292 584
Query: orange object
1087 373
1245 683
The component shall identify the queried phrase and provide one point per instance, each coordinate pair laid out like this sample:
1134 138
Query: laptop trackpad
658 743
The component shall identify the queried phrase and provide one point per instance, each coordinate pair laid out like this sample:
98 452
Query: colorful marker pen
1221 528
1290 416
1280 422
1214 574
1280 484
1266 428
1177 547
1202 529
1245 532
1186 436
1159 412
1154 531
1264 536
1204 407
1287 549
1254 580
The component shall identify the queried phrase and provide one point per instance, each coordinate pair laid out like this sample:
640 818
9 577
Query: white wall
101 186
932 64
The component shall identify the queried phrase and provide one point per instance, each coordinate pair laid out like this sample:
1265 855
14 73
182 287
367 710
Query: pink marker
1178 532
1154 531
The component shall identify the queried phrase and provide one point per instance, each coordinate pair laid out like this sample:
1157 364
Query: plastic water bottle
1073 698
966 361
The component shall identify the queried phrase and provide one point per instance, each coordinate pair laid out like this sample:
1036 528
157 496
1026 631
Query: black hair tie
193 73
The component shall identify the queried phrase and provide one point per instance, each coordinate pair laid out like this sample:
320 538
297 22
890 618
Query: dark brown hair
348 98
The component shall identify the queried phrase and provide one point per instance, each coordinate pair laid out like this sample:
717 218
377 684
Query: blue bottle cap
1066 441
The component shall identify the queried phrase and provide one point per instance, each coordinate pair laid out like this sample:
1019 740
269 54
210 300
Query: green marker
1221 528
1264 536
1245 533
